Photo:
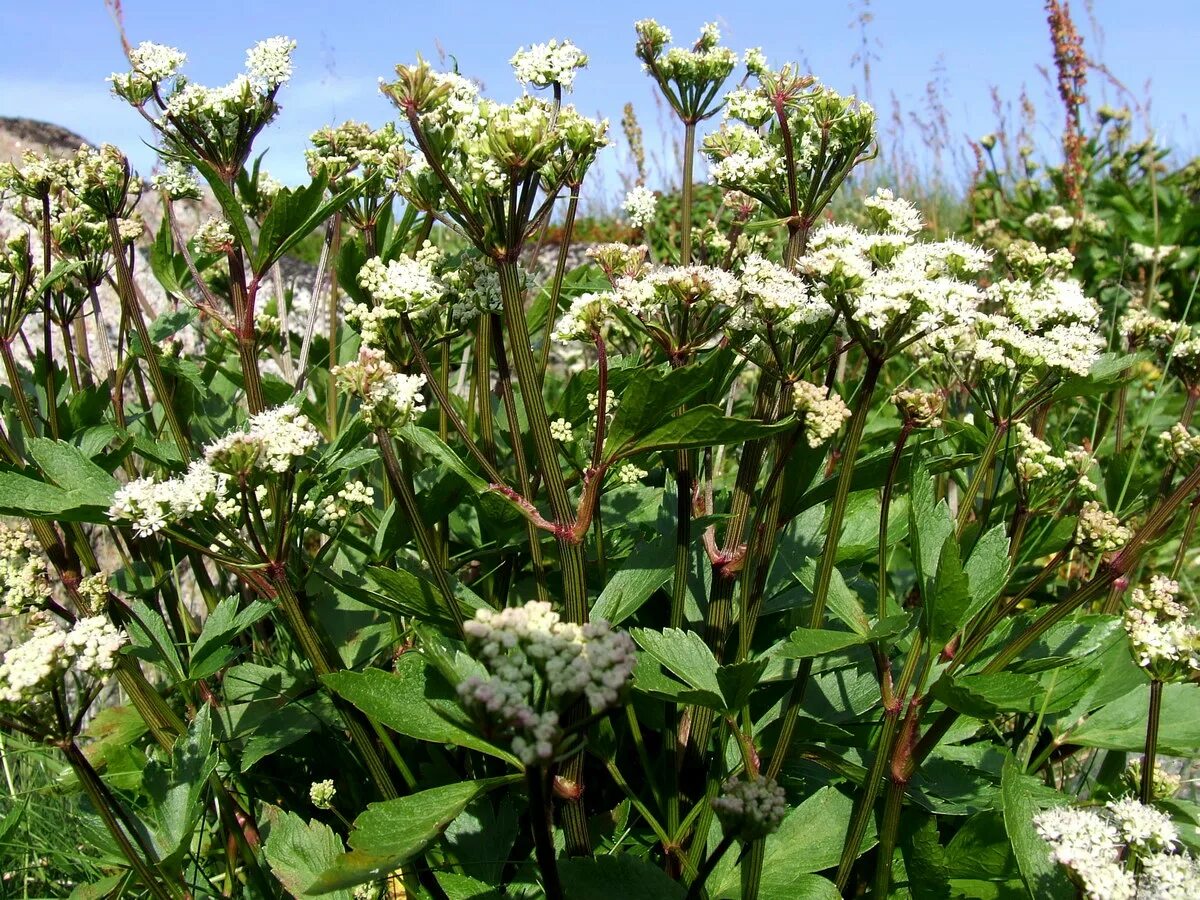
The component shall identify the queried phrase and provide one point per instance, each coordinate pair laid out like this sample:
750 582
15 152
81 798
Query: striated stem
560 269
696 891
128 295
967 502
540 817
1152 720
689 154
824 578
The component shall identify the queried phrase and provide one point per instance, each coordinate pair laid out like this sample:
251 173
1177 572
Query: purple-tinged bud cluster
537 665
749 810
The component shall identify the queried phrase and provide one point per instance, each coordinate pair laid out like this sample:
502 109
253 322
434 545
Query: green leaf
653 396
289 210
63 464
622 875
682 653
298 852
390 833
1043 877
841 600
947 602
700 426
987 570
151 640
809 840
646 569
415 702
213 650
983 696
808 642
928 525
58 271
174 793
409 594
1121 725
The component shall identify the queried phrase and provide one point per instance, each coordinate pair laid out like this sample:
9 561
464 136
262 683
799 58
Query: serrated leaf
1042 877
390 833
684 654
987 570
946 603
414 701
298 852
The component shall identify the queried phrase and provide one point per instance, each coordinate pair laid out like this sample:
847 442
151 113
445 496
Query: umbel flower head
689 79
536 666
554 62
1164 641
23 581
88 649
824 411
1122 851
216 124
390 399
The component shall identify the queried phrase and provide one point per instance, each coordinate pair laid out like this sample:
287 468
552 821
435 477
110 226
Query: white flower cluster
919 409
177 181
353 153
1147 254
640 205
269 63
554 62
1041 469
398 286
585 317
529 652
705 65
271 443
893 288
390 399
1053 218
775 299
214 235
321 793
1145 330
23 582
1164 641
1165 784
562 431
750 808
1179 444
824 412
333 509
628 473
89 649
1123 851
1098 530
157 62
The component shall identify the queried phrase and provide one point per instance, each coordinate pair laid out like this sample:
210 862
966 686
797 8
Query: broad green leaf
622 875
810 840
1121 725
213 649
390 833
232 209
289 209
684 654
86 484
151 641
928 525
1044 878
701 426
983 696
946 603
298 852
808 642
410 594
987 570
645 570
414 701
841 600
174 792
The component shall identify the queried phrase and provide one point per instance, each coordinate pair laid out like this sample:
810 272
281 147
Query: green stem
540 817
1152 720
98 795
570 551
967 503
324 662
824 578
128 294
483 387
689 154
403 488
560 269
884 510
887 837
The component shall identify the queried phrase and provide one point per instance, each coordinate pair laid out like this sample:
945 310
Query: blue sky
58 53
